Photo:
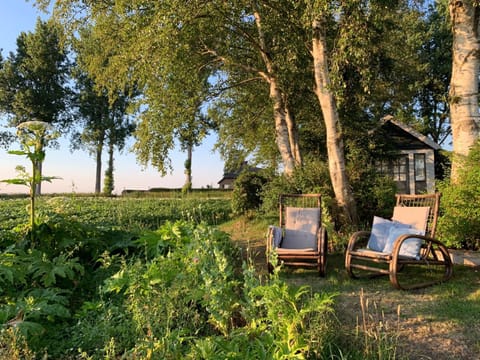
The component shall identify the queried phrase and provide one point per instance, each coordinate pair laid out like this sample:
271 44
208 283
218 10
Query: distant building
229 177
413 170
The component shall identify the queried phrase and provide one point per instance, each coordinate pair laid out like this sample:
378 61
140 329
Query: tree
464 112
189 37
335 147
105 122
432 96
34 80
103 112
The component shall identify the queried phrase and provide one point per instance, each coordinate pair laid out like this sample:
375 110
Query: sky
77 169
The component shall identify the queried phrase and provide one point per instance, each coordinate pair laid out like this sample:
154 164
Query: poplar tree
33 80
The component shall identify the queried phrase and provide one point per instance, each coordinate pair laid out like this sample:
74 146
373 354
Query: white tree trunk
336 157
282 135
293 136
282 132
464 113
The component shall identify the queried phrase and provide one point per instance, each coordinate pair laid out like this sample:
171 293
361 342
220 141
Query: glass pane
420 174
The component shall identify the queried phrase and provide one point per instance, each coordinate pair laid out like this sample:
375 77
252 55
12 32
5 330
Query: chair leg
322 261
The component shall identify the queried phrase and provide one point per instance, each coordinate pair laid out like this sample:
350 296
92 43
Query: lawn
438 322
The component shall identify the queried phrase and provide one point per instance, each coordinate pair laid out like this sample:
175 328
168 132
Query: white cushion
410 247
276 235
379 233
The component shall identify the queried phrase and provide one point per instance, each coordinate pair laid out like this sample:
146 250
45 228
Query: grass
437 322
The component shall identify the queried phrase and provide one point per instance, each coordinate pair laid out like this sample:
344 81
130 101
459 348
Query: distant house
226 182
413 170
229 177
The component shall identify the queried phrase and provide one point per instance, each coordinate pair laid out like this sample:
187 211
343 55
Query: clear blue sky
77 169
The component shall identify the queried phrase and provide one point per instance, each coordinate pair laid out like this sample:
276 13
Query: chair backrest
291 205
432 201
300 217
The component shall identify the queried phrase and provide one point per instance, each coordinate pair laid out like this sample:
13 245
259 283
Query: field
139 278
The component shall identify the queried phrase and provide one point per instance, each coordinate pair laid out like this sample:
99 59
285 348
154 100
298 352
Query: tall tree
34 79
94 114
464 111
218 36
104 123
432 97
104 113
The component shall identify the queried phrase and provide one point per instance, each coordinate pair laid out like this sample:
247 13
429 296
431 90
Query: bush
459 224
246 192
313 177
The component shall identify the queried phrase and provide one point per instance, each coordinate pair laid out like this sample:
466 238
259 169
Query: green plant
34 137
459 223
246 192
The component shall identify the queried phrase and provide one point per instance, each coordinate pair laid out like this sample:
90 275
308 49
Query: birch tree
464 111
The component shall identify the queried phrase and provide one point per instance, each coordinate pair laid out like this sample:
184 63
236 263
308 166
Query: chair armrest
358 240
429 248
271 237
322 239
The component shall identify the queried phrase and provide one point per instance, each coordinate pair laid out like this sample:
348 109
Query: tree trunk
293 135
464 113
98 173
335 150
282 131
188 169
108 183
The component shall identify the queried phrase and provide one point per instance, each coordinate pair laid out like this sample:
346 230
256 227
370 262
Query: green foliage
33 79
247 189
14 346
313 177
459 223
33 137
108 182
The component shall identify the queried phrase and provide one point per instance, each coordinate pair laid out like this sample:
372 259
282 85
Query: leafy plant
459 223
247 192
33 137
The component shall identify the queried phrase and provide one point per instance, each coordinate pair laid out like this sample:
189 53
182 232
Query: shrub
246 192
459 224
313 177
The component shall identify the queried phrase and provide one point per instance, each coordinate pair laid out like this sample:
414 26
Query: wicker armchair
413 258
300 239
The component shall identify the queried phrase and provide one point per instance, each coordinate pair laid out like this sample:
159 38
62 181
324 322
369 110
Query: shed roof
410 131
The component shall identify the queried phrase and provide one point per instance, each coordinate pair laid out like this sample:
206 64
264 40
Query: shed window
420 174
400 168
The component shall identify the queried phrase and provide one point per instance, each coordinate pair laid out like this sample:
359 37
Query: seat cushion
300 240
277 234
379 233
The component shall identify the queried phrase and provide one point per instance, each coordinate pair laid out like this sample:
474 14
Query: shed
413 170
229 177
